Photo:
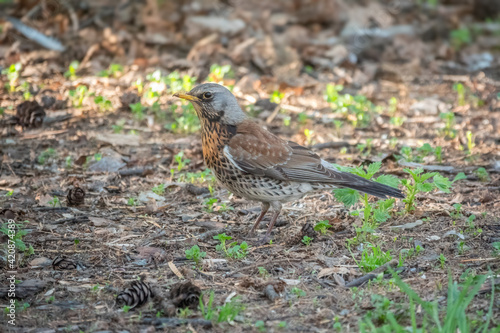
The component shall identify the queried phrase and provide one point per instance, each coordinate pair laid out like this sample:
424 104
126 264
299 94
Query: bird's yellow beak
186 97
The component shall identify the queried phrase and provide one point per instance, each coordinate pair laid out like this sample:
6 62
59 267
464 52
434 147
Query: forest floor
112 130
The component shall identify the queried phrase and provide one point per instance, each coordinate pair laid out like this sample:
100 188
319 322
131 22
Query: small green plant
181 161
460 37
207 311
260 325
230 310
298 292
50 299
373 214
233 250
17 238
138 110
132 201
442 260
496 248
406 254
282 324
159 189
357 109
219 73
195 254
449 125
276 97
186 122
71 72
263 272
118 127
302 118
114 70
365 149
55 202
482 174
373 257
13 73
9 193
307 240
126 308
470 143
322 227
46 155
185 313
417 184
78 95
103 103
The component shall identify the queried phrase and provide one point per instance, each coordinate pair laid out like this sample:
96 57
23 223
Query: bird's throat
215 136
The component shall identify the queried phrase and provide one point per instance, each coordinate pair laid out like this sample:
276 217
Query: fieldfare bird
255 164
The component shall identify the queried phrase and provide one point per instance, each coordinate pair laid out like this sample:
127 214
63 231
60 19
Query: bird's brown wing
257 151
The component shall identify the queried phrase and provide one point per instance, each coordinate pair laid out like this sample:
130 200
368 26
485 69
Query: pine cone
135 296
76 196
185 294
60 263
30 114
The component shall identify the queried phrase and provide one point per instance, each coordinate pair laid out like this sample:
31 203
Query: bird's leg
272 222
265 208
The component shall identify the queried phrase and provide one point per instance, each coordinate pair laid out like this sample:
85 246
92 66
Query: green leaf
388 180
460 176
427 187
426 176
347 196
442 183
373 169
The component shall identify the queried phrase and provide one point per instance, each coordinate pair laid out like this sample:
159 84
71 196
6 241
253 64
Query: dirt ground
413 63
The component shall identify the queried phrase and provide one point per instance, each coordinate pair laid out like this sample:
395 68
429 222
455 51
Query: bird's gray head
214 102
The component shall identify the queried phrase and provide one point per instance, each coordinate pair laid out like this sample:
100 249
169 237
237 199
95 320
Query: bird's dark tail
370 187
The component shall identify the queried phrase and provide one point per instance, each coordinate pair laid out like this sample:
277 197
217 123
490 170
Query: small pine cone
129 98
60 263
185 294
135 296
76 196
30 114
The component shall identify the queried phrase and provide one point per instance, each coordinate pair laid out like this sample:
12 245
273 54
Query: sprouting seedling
459 38
302 118
365 149
322 227
114 70
195 254
338 126
308 134
103 103
470 143
276 97
181 161
159 189
13 73
138 110
449 127
78 95
219 73
373 257
46 155
232 250
307 240
298 292
118 127
54 202
71 72
139 85
482 174
209 204
418 183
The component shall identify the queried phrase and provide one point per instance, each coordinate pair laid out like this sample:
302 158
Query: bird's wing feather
259 152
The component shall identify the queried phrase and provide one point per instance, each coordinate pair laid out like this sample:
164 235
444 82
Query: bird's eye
208 95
